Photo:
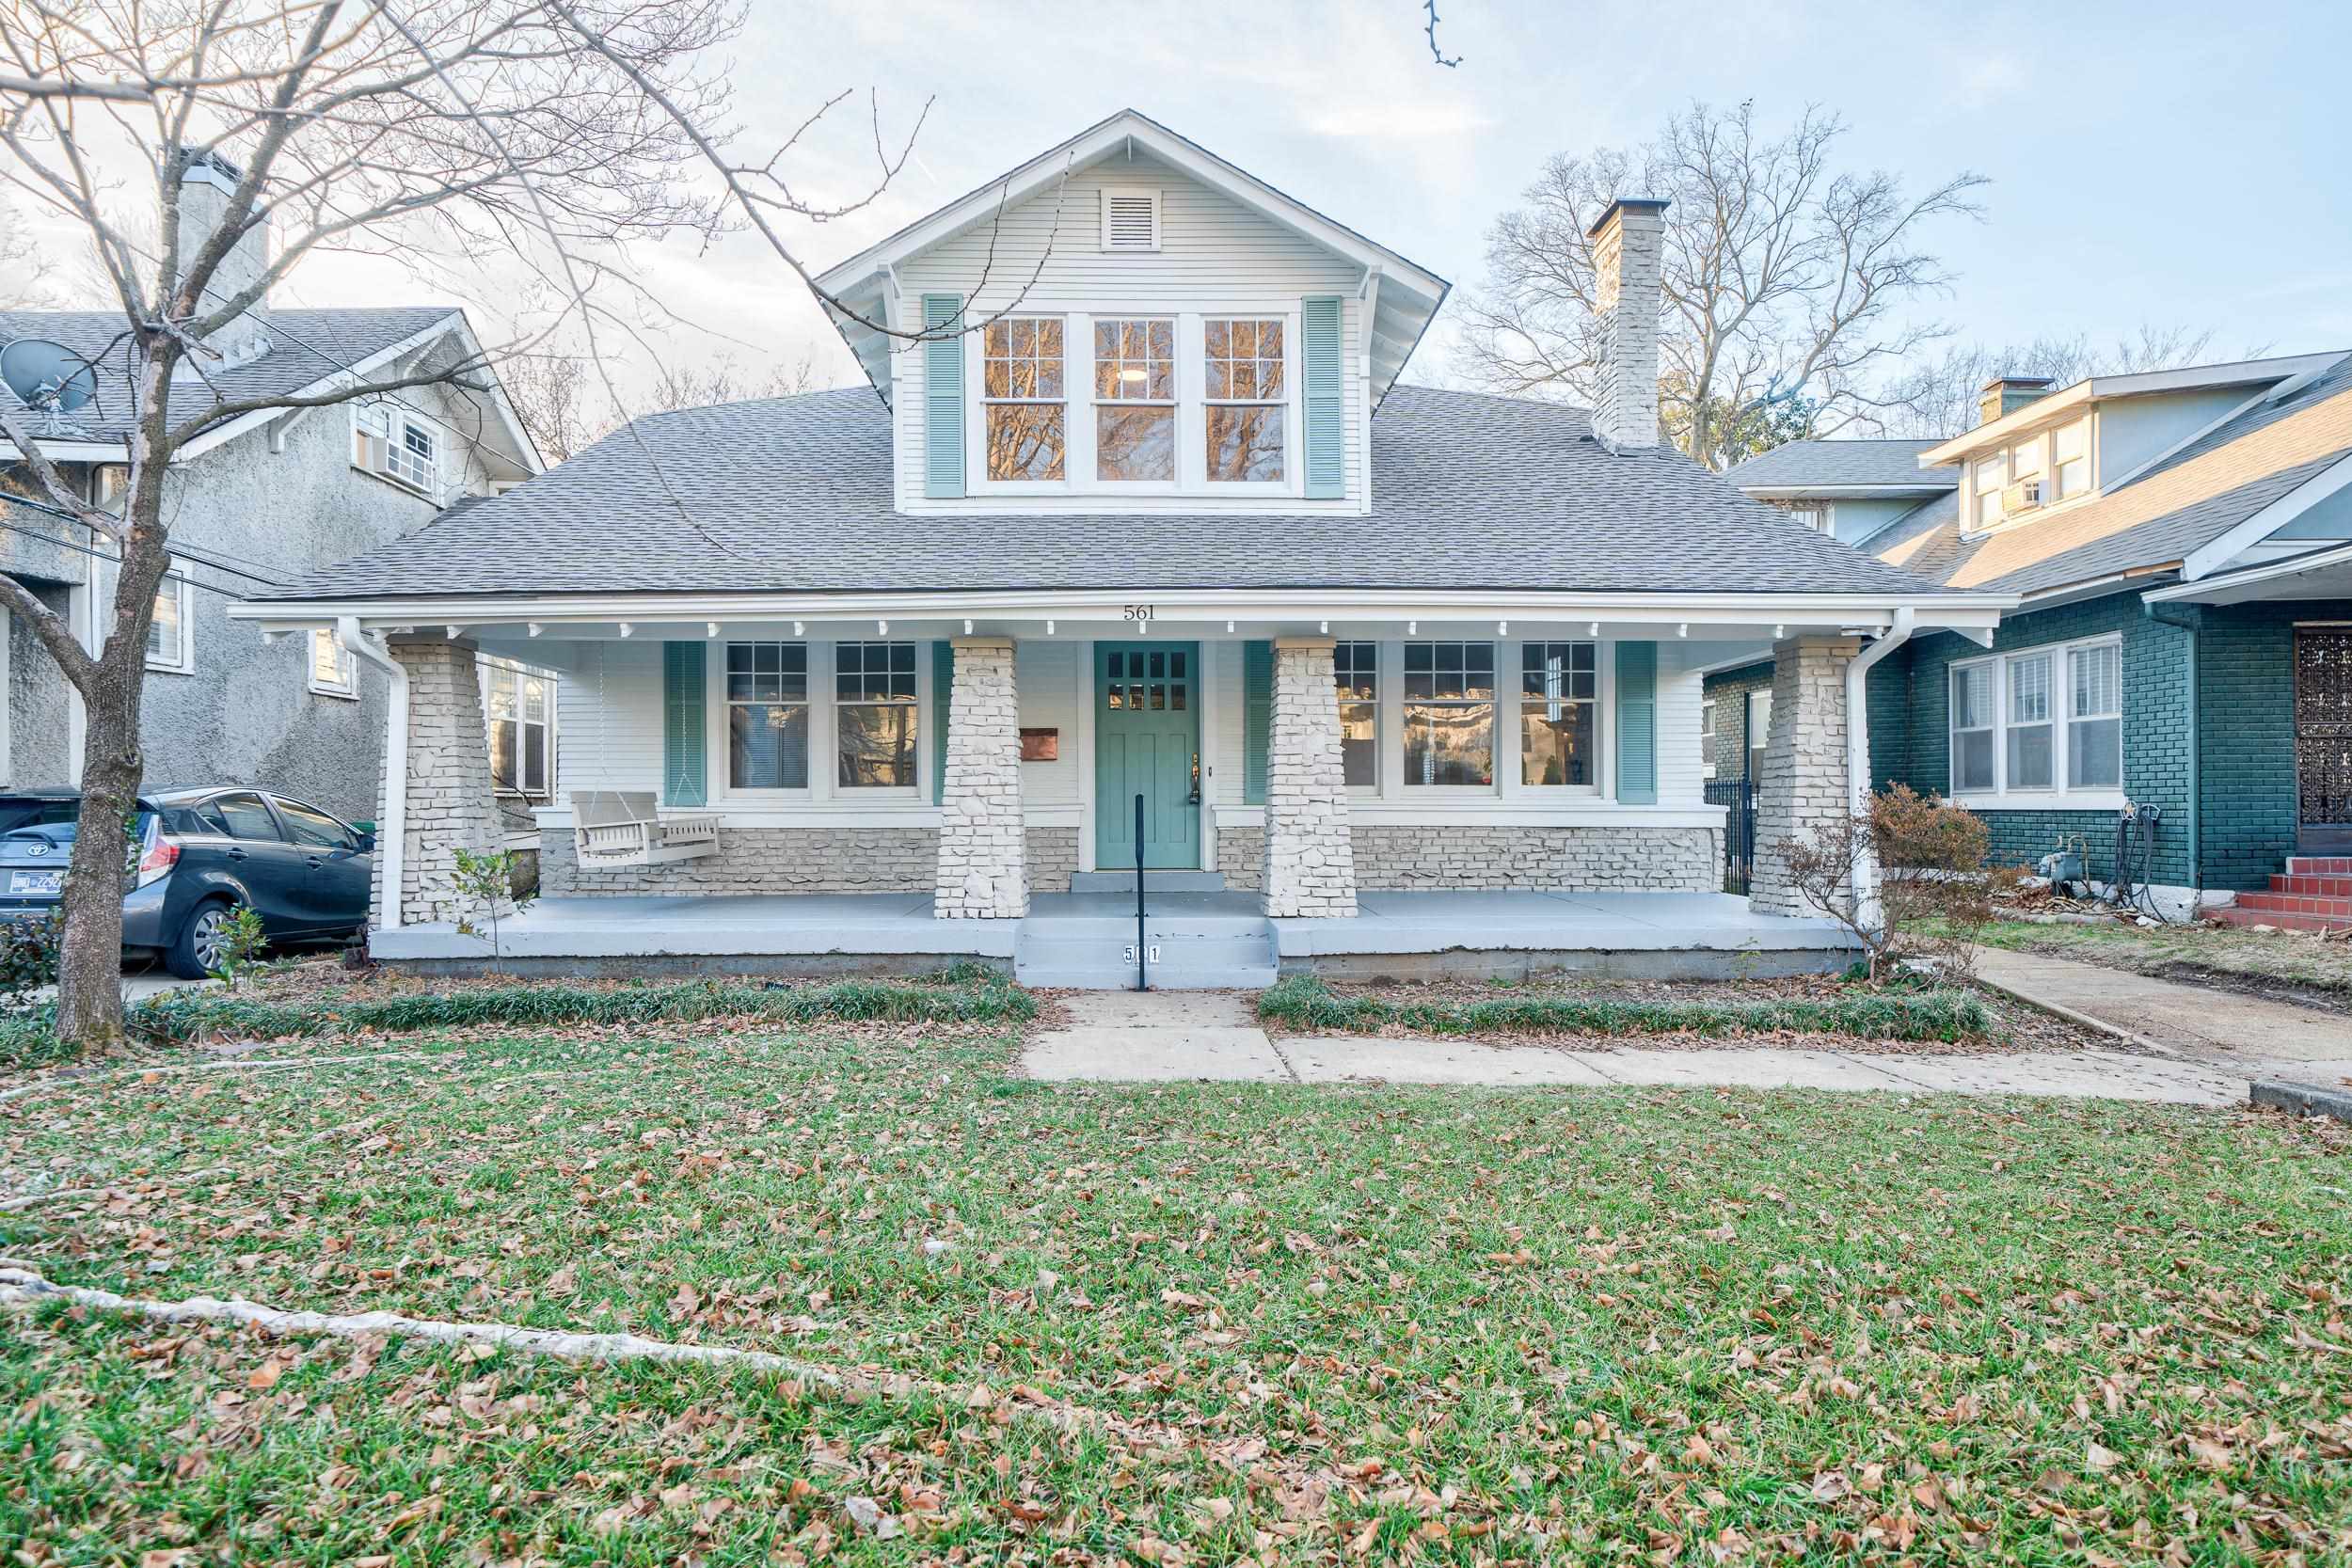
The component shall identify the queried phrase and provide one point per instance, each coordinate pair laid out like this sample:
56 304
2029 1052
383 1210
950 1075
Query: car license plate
35 881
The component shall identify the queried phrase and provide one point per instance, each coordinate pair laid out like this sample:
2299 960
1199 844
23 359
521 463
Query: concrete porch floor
1657 934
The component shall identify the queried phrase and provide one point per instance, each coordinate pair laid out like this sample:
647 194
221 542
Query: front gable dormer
1148 328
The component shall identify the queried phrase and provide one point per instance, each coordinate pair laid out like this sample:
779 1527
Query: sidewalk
1178 1037
2253 1035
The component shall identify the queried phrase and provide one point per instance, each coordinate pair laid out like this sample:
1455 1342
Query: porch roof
793 495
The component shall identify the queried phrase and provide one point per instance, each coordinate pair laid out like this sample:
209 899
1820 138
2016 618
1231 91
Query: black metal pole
1141 982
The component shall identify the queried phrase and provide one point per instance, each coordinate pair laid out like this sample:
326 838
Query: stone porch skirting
1481 858
797 860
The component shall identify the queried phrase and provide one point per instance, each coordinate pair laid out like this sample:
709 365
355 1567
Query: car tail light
158 862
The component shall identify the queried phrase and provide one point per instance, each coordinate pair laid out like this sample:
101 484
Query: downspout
391 834
1866 895
2190 619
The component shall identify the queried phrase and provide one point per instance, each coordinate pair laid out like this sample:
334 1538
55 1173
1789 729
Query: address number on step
1150 954
1138 612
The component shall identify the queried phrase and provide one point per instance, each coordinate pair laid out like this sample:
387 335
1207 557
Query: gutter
2190 619
391 834
1858 751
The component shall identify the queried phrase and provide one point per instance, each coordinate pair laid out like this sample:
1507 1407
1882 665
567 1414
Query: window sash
2034 700
1356 679
1025 398
167 623
764 692
332 669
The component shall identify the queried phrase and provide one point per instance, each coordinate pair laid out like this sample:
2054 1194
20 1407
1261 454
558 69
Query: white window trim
824 789
399 419
1384 674
2044 442
348 689
1709 737
1519 700
1095 403
2058 796
102 603
1192 460
492 668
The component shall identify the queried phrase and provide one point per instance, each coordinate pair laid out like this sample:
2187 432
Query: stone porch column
1310 861
1803 787
450 805
983 870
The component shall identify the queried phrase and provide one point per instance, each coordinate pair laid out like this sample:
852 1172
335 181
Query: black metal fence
1738 797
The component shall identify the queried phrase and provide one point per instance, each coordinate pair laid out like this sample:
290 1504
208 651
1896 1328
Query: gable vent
1131 219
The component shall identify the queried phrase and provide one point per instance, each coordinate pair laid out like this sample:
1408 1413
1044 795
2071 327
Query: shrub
28 955
1919 1015
1934 896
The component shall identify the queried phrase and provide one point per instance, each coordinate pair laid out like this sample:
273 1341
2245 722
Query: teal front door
1146 742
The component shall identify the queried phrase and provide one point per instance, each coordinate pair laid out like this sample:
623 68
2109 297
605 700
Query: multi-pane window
1153 680
1972 728
2028 724
2094 728
1450 713
874 714
1989 475
389 440
1246 399
1356 672
520 711
1021 385
332 672
2043 721
2070 459
1559 692
1134 395
766 701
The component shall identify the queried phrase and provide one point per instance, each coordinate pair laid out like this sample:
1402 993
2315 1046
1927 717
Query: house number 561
1138 612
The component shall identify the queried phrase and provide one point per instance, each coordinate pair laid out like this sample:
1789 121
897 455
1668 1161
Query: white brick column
983 870
1310 861
1803 787
450 803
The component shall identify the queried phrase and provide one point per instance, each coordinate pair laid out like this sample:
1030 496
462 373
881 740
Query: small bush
1922 1015
185 1016
28 955
1934 896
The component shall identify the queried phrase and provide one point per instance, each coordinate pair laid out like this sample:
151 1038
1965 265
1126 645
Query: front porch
1210 937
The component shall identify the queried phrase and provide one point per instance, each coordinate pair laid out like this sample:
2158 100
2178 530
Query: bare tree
726 381
549 393
23 271
1786 279
1937 400
558 401
539 133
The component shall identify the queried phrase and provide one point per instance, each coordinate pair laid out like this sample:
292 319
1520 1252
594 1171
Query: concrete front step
1196 952
1153 882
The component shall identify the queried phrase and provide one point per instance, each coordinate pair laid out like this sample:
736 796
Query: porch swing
613 828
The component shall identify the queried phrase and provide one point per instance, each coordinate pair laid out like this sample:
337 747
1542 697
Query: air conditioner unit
368 451
2024 495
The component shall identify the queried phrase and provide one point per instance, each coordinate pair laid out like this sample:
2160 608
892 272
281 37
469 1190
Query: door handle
236 854
1194 798
311 860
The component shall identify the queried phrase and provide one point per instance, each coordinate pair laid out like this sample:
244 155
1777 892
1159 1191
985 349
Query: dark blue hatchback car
199 855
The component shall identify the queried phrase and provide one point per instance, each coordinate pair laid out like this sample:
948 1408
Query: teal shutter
943 399
943 695
1325 399
1257 718
683 752
1637 723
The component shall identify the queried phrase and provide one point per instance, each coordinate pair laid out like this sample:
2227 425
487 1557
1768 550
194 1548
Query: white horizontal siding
1214 253
609 712
1227 746
1681 692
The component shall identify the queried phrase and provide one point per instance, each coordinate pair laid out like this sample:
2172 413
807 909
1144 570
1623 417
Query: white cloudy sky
2151 163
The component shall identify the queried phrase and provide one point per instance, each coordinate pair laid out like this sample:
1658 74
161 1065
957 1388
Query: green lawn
1385 1325
2287 957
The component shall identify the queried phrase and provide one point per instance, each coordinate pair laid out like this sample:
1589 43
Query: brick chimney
1629 249
2006 394
205 187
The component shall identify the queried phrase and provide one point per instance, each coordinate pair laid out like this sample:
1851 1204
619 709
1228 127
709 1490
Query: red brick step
2330 886
2319 865
2238 914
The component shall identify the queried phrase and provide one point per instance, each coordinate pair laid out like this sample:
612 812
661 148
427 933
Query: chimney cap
1649 205
207 167
2021 383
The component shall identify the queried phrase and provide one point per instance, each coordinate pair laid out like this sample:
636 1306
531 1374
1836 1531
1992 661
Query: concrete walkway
2259 1037
1178 1037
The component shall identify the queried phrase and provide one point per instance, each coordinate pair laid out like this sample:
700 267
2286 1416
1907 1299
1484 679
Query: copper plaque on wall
1041 745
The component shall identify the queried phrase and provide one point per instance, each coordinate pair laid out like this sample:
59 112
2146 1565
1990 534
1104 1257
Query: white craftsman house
1135 550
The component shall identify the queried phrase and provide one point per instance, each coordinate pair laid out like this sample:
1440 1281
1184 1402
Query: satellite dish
47 376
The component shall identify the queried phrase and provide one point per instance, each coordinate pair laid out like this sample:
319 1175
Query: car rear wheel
202 943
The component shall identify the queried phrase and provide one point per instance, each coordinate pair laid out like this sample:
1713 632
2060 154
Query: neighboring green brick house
2181 542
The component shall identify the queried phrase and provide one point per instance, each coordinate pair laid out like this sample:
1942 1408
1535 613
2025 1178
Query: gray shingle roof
1840 464
793 495
2189 499
305 346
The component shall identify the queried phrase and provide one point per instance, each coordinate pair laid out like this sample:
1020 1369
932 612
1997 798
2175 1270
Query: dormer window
1021 384
1131 218
1134 396
1246 399
2070 459
1989 475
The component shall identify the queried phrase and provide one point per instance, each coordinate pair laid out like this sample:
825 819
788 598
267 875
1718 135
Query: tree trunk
89 967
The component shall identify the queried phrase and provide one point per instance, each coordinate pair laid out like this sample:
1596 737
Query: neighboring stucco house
2178 540
1162 523
255 503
